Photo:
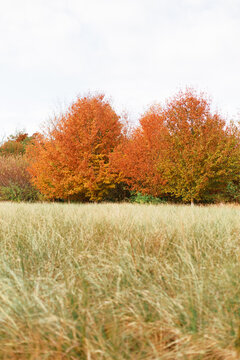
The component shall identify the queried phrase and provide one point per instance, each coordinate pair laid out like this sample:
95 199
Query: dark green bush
140 198
233 191
14 192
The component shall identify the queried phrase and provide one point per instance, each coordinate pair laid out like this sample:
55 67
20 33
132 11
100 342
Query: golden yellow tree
203 151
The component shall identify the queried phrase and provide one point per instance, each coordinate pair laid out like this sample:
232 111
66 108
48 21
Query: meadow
119 281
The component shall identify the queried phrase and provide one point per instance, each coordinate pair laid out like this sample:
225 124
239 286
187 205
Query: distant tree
16 144
72 160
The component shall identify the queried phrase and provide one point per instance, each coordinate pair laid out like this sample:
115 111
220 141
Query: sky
137 52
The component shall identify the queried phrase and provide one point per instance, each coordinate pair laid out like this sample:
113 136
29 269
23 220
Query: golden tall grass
119 281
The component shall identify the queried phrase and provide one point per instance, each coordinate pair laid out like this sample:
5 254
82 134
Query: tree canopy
72 160
181 150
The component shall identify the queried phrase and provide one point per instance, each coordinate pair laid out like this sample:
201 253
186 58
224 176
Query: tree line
181 151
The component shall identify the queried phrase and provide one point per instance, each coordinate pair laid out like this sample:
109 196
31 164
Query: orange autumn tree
181 151
72 160
138 154
203 151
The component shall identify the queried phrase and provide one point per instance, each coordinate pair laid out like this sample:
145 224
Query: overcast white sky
136 51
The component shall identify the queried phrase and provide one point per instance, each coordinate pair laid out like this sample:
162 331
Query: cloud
136 51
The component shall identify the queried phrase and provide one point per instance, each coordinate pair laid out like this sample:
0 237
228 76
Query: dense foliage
181 151
15 182
16 144
202 153
72 161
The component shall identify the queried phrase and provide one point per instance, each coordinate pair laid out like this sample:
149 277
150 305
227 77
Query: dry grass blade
102 282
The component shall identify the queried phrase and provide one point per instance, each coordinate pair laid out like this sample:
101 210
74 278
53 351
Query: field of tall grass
119 281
